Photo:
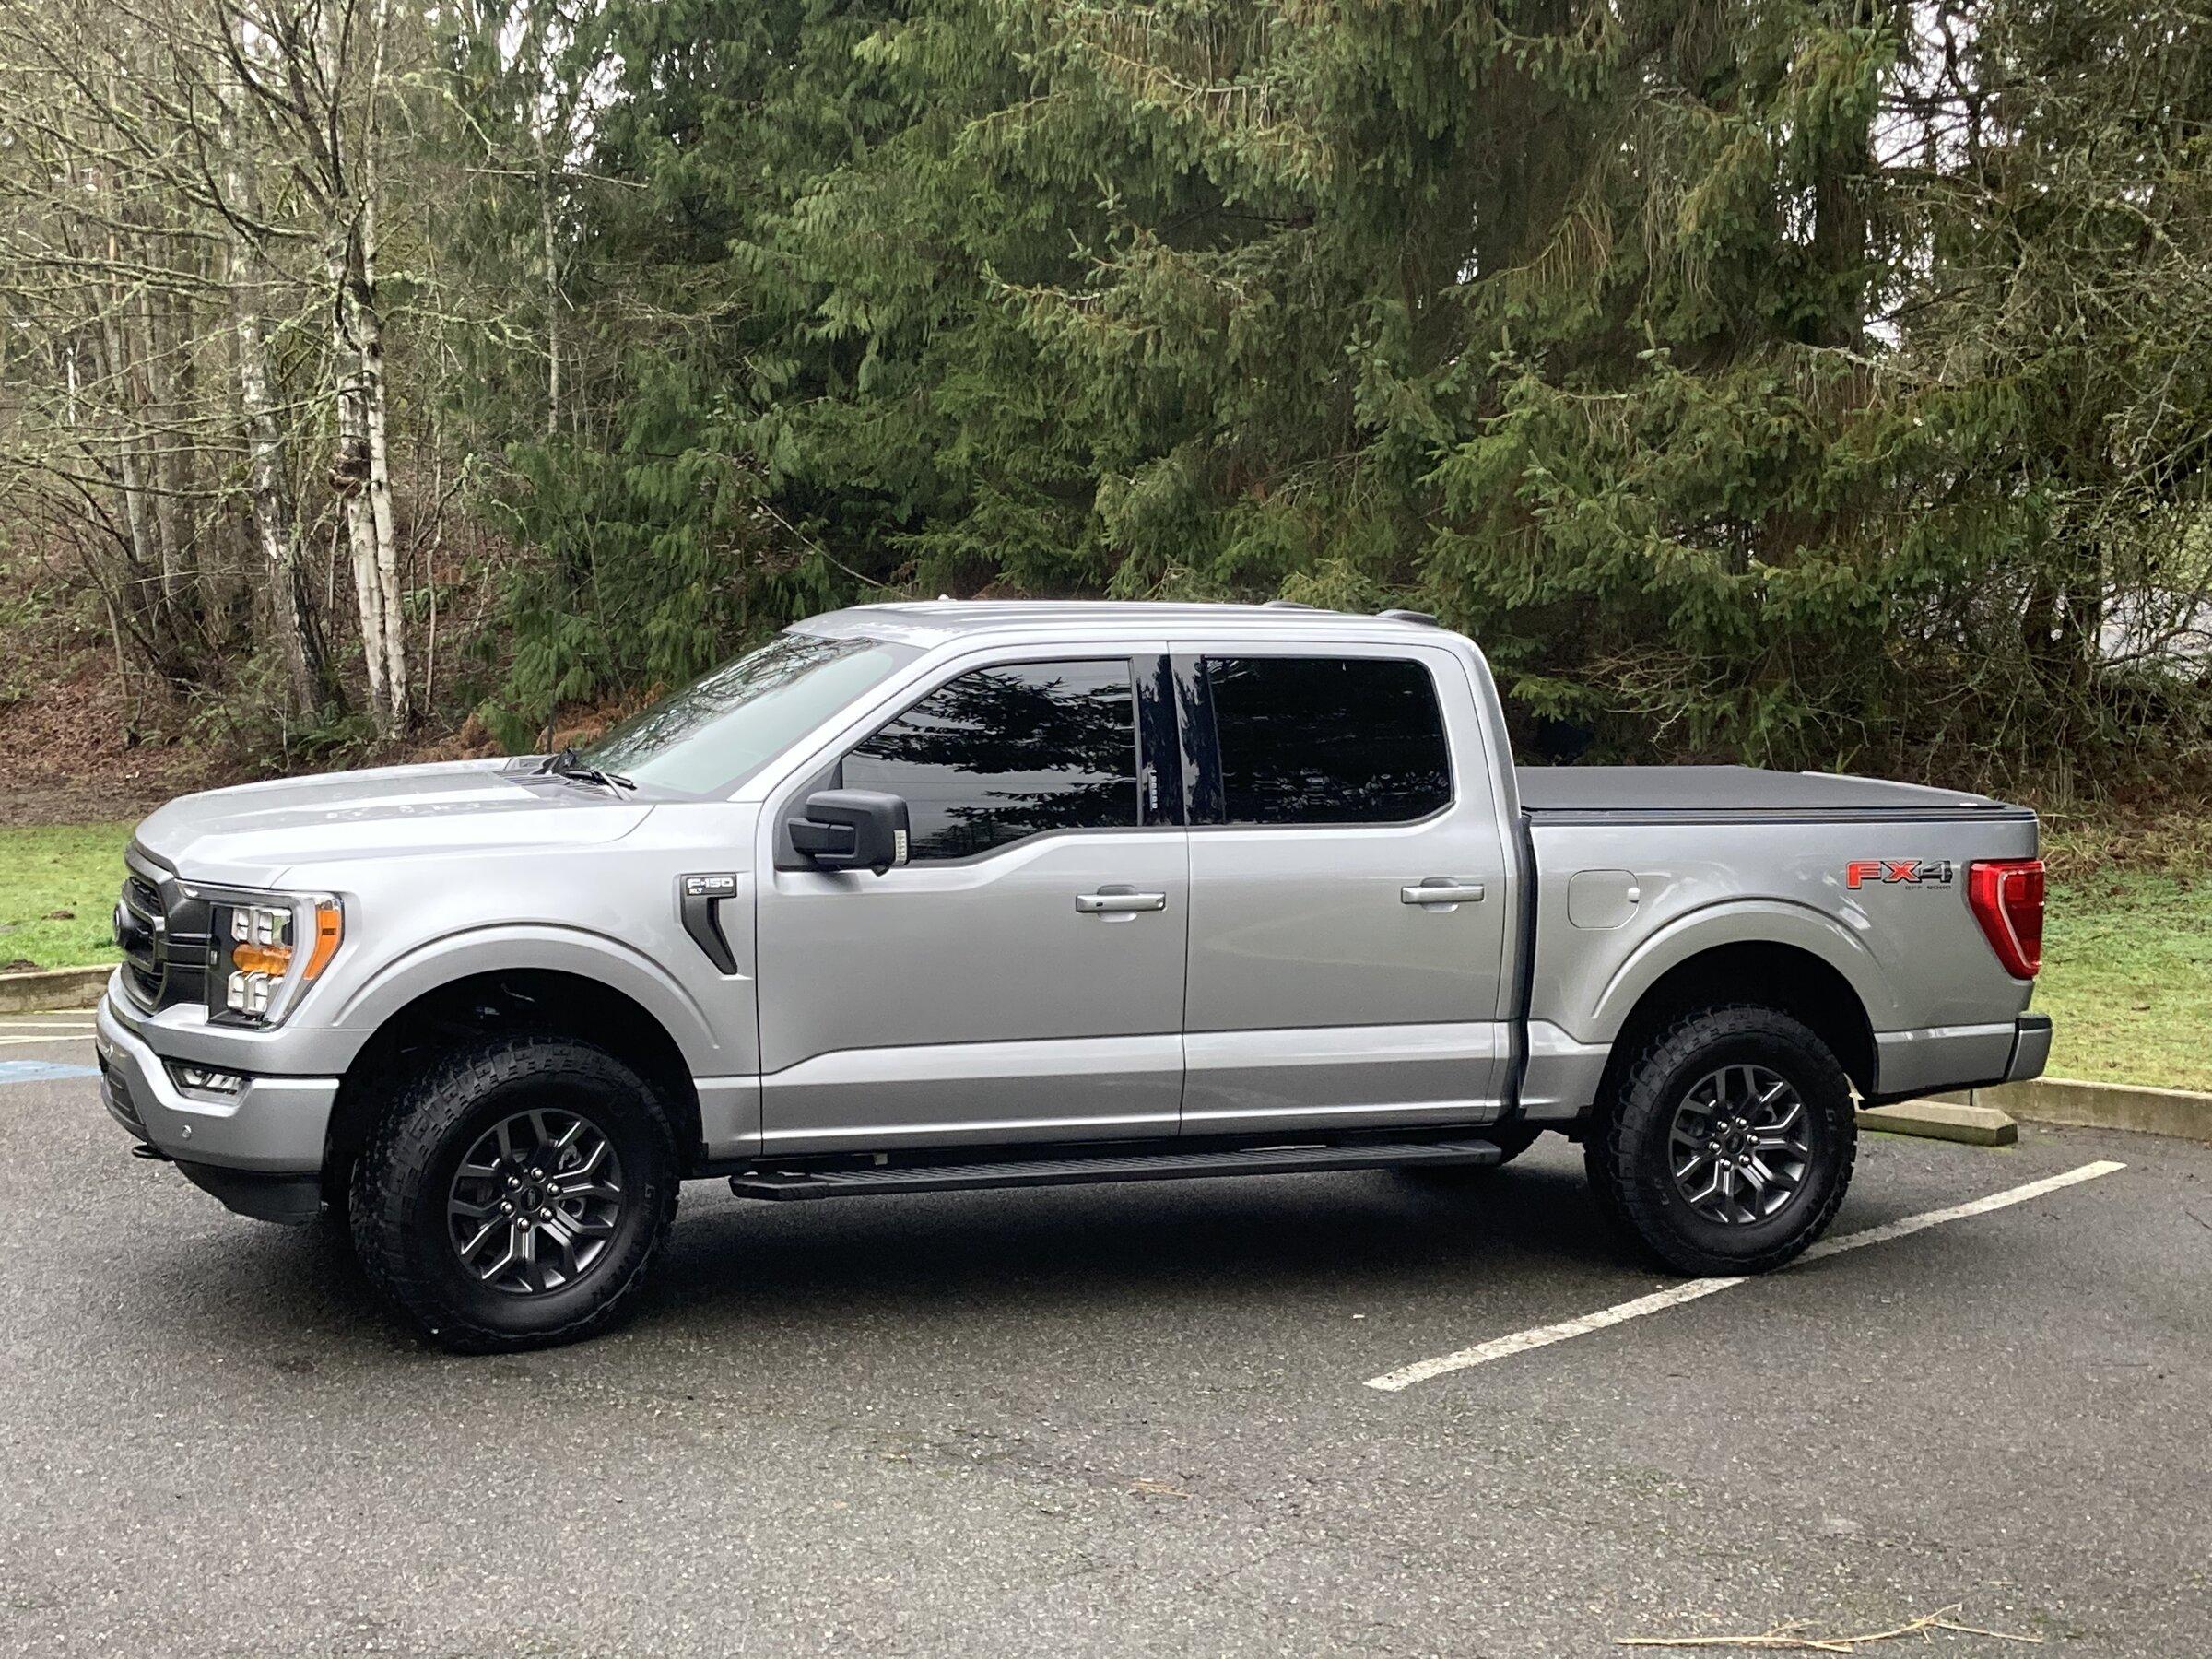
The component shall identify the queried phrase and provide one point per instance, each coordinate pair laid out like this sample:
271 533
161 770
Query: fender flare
550 947
1744 922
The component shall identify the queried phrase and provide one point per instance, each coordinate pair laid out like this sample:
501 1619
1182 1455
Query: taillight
2008 897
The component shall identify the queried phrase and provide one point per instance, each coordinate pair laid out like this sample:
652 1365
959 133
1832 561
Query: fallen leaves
1796 1635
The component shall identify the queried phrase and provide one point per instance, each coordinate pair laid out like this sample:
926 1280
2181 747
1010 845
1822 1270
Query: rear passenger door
1348 890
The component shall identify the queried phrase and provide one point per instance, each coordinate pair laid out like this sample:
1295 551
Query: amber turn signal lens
330 927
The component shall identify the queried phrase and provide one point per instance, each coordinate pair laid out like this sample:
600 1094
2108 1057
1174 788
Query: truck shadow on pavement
1180 1247
1184 1250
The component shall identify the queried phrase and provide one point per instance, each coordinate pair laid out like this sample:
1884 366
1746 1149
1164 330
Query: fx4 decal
1894 872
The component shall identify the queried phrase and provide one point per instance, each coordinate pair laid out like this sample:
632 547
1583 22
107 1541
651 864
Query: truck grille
139 923
162 935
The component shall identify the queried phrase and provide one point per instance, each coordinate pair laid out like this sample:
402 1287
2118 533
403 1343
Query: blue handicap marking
42 1071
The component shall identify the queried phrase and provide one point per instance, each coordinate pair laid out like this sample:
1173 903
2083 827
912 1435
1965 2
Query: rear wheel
512 1194
1728 1146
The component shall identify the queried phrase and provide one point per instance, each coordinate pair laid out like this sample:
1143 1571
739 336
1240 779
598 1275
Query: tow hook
150 1152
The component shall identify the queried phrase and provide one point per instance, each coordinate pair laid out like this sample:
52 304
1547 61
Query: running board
1074 1171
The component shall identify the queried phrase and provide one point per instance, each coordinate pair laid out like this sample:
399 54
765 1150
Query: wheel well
519 999
1772 976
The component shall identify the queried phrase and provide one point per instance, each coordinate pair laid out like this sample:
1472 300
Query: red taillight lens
2008 897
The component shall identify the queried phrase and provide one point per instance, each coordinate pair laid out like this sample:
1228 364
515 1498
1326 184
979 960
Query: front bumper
273 1125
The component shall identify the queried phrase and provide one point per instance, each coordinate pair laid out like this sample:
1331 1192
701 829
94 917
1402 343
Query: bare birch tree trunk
275 534
114 354
350 477
369 325
379 402
363 474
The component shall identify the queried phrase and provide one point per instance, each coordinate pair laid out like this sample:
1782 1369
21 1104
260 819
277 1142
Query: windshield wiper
570 764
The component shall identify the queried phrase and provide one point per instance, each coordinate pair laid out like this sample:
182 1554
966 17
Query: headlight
264 950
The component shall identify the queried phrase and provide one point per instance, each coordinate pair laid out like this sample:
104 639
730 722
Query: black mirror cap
851 829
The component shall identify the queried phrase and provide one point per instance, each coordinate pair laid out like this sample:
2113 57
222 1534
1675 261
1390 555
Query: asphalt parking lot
1113 1419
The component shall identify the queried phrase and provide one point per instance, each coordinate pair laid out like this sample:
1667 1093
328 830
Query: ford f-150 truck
963 895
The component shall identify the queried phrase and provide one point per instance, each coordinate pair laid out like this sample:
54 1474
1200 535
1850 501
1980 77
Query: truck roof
930 622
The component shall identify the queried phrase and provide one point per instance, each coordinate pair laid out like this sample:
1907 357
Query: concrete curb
2180 1113
52 988
1943 1120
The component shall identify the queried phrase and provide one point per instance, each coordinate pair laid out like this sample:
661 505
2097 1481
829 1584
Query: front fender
588 954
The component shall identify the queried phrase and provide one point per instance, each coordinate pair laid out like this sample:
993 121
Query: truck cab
963 895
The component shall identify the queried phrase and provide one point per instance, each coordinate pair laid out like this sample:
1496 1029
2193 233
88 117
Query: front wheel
1728 1144
514 1192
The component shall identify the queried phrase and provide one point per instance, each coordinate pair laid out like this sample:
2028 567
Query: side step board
1071 1172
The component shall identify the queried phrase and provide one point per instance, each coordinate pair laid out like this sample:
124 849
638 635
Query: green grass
2127 951
54 868
2127 976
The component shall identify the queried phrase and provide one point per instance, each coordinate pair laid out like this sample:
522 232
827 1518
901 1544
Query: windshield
725 726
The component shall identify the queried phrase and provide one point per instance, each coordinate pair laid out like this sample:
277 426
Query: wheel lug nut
546 1214
506 1208
512 1183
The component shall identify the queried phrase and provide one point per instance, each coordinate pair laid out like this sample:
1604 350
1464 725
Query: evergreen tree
1749 375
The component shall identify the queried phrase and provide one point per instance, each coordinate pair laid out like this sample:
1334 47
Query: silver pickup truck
932 896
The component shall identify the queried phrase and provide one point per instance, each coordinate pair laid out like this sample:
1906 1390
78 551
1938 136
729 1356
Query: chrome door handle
1441 889
1119 901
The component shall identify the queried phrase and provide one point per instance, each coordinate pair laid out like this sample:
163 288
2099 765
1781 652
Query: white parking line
1521 1342
60 1035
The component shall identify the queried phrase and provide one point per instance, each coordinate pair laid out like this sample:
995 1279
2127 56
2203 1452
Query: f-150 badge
1895 872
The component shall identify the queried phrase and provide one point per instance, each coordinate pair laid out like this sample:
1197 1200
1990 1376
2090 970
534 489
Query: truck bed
1736 794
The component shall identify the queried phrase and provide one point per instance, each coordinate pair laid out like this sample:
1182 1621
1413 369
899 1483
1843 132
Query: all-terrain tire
430 1120
1628 1151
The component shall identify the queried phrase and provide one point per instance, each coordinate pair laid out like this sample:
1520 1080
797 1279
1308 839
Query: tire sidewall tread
397 1175
1635 1189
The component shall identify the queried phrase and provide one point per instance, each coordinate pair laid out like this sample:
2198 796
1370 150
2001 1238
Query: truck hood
252 835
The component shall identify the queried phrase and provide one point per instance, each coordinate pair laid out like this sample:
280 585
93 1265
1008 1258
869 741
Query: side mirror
851 829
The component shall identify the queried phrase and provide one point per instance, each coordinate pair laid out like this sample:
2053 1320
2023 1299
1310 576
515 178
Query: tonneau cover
1733 792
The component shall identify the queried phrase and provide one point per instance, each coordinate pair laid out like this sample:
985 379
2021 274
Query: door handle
1441 889
1119 901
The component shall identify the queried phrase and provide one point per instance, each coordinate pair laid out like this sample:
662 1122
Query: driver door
1021 977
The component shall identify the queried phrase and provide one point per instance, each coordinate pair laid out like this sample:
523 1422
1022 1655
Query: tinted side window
1328 740
1005 752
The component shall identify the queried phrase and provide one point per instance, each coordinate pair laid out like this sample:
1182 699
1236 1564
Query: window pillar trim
1197 744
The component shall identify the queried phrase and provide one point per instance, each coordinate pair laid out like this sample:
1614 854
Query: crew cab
959 895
